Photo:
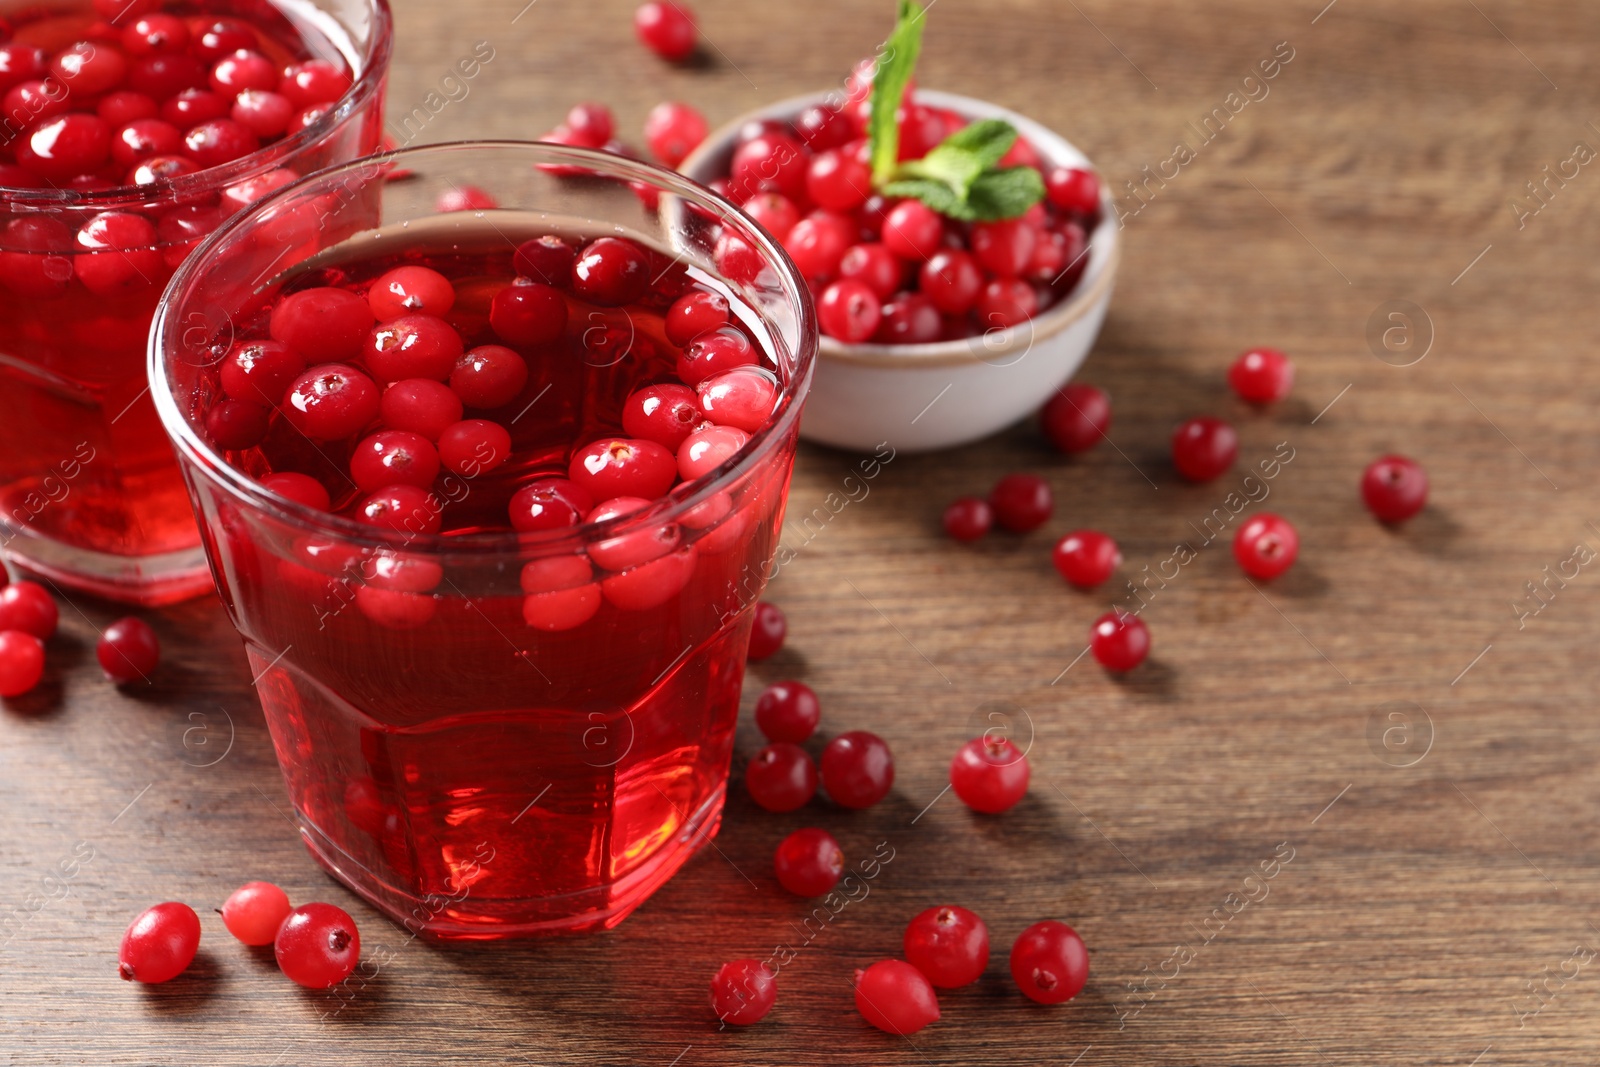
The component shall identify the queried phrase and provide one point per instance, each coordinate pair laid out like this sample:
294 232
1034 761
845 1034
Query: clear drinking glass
90 495
468 772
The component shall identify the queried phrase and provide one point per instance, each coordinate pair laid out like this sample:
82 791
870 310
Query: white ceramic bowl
924 397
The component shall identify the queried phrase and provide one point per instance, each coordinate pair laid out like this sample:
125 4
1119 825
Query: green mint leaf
986 141
896 63
950 167
1005 194
935 194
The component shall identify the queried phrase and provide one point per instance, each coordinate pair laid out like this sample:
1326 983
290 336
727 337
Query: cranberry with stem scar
331 401
413 346
896 997
403 508
949 945
781 777
857 769
549 504
849 311
989 774
1120 641
128 651
1204 448
21 662
1394 488
767 631
713 353
1085 558
254 912
694 314
394 457
622 466
611 272
788 711
809 862
159 944
1049 962
1266 546
743 992
410 290
547 259
260 371
666 414
317 946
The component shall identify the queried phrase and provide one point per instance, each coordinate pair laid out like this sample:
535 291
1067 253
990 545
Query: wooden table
1411 760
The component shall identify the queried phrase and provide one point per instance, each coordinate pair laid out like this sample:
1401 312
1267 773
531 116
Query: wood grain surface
1425 880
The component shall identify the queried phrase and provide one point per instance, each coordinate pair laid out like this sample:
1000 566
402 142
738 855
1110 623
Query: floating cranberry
88 70
315 81
651 584
324 325
235 425
1021 502
673 130
714 353
781 777
666 28
1204 448
767 631
191 107
857 769
809 863
169 74
21 662
1120 641
549 504
1394 488
143 138
21 62
413 346
743 398
706 450
788 711
1086 558
561 593
28 607
317 946
694 314
1266 546
301 488
221 37
402 508
611 272
489 376
331 401
743 991
474 447
665 414
159 944
122 257
211 144
621 466
254 912
968 519
65 146
528 313
420 405
394 457
949 945
1076 417
32 263
1049 963
1262 375
896 997
546 259
989 774
410 290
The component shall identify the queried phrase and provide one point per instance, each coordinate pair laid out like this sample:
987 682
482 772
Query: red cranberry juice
88 105
484 754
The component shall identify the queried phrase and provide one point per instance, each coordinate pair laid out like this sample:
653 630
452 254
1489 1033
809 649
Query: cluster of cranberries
128 650
145 95
895 271
947 947
316 945
1076 417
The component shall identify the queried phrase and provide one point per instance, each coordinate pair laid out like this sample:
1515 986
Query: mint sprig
961 177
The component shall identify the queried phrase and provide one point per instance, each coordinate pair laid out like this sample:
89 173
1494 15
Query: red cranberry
413 346
65 146
989 774
875 266
788 711
546 259
951 279
822 128
489 376
611 272
1049 963
1021 502
549 504
420 405
211 144
143 138
743 398
403 508
1086 558
221 37
169 74
665 414
317 946
1074 190
591 125
767 631
191 107
909 319
896 997
838 180
1003 248
20 62
1204 448
326 325
773 162
968 519
473 447
35 101
331 401
32 263
241 71
774 213
651 584
694 314
561 593
781 777
1394 488
809 863
301 488
913 231
21 662
849 311
818 242
1262 375
315 81
857 769
736 258
921 130
28 607
122 255
673 130
88 70
949 945
1266 546
1006 302
394 457
410 290
666 28
1119 641
619 466
263 113
1076 417
235 425
528 313
714 353
160 944
743 992
707 449
253 912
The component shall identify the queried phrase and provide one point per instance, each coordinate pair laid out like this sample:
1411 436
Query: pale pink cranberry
705 450
561 593
694 314
713 353
743 398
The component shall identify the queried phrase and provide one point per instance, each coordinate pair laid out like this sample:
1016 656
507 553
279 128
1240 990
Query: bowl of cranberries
935 331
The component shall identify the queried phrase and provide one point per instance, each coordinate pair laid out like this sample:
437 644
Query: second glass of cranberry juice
130 129
490 496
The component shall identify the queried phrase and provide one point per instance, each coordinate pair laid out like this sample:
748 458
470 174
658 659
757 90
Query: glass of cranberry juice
490 496
130 129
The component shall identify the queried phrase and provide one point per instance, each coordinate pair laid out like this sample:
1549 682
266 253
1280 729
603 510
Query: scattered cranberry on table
857 769
743 992
159 944
1120 641
781 777
1266 546
21 662
1021 502
809 862
949 945
968 519
768 631
128 651
990 774
1394 488
1086 558
666 28
1262 375
255 911
1076 417
788 711
1049 962
1204 448
896 997
317 946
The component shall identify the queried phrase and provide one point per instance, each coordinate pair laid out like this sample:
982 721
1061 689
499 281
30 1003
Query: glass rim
262 160
192 447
